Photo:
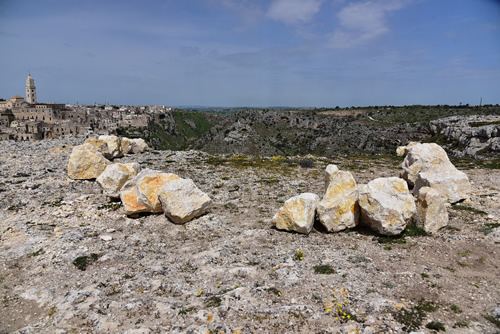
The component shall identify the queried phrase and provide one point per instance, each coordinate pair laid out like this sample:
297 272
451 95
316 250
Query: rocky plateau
73 261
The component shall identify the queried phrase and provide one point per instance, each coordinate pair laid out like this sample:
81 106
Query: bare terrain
71 261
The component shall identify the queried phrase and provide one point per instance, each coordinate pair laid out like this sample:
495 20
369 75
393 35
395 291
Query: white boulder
114 177
432 211
182 201
86 163
427 165
386 205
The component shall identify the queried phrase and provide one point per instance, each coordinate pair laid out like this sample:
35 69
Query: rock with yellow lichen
86 163
297 213
114 177
339 208
386 205
140 194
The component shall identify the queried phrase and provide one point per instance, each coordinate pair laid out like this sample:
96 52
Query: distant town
25 119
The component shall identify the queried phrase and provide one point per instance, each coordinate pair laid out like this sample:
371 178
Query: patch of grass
184 311
468 208
488 228
110 206
460 324
479 124
438 326
410 231
358 259
52 311
493 320
213 301
427 306
413 231
424 275
388 285
450 269
455 308
38 252
324 269
55 203
465 253
410 318
82 262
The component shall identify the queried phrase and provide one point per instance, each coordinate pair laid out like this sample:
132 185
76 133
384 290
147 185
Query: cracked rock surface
71 261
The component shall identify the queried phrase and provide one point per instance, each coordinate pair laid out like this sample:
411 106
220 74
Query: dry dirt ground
230 271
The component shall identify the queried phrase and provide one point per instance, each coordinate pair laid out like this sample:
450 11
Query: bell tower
30 90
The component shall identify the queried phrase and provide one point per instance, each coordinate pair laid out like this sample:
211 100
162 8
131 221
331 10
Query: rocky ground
73 262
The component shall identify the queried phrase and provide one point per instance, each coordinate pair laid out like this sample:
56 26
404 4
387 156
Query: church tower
30 90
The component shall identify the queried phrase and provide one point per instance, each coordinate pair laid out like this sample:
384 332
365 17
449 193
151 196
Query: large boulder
386 205
182 201
140 194
297 214
339 208
427 165
114 177
86 163
432 211
134 146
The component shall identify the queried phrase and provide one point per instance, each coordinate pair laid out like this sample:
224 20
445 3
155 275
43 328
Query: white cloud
293 11
363 21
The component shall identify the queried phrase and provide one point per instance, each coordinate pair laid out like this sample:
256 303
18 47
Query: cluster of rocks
427 185
474 135
146 191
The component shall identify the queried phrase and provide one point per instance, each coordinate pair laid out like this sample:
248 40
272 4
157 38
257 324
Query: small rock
106 237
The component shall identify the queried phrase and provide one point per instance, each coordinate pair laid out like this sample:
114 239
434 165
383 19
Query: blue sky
319 53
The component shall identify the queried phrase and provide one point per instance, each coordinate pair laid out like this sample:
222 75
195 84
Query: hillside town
26 119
